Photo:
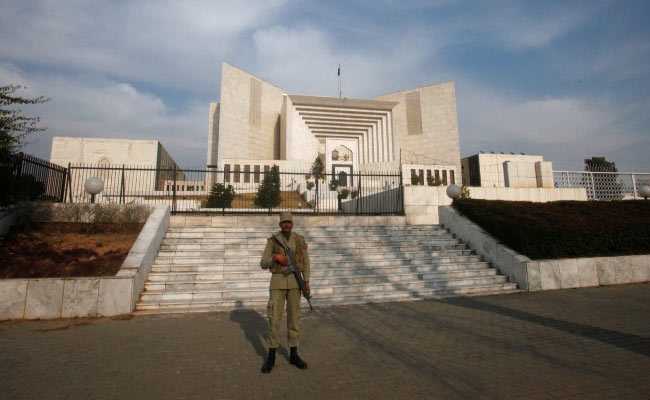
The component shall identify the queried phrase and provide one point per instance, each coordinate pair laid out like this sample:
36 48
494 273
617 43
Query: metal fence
603 185
26 177
239 191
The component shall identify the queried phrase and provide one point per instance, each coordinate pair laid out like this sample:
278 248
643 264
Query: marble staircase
205 268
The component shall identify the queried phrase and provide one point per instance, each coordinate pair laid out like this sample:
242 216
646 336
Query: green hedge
564 229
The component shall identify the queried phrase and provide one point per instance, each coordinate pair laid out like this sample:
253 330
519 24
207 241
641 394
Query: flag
339 71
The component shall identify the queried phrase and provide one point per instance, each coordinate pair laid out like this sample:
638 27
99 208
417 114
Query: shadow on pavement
253 324
631 342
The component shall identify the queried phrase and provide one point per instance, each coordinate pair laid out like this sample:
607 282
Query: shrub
268 194
221 196
564 229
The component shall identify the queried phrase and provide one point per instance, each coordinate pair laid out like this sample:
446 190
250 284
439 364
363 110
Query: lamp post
93 186
644 191
454 191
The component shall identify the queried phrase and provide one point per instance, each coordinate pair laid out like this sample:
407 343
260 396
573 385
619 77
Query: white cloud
152 41
565 130
107 108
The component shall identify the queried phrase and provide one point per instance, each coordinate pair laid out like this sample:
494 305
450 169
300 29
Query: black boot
296 360
270 362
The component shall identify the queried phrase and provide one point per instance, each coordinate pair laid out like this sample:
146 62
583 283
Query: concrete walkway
583 344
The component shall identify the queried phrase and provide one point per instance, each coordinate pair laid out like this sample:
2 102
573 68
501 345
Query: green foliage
318 167
221 196
268 194
464 193
343 194
334 184
14 125
310 185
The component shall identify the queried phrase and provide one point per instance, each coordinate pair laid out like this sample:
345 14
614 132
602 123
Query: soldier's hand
284 269
307 288
281 259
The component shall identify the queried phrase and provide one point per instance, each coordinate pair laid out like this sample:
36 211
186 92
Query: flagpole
339 74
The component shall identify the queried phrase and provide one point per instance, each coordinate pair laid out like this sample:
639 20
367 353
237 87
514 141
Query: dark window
226 173
444 177
452 177
429 178
421 177
414 177
266 169
247 173
437 178
237 175
256 174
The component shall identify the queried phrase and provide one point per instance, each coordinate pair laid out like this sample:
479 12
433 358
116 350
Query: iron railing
25 177
189 190
603 185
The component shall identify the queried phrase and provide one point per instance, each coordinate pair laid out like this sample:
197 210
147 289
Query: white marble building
258 123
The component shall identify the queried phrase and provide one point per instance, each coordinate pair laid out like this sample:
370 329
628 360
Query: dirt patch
55 250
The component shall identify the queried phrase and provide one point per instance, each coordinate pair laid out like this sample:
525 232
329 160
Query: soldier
284 287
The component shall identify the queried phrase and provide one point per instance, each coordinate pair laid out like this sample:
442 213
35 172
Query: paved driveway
584 344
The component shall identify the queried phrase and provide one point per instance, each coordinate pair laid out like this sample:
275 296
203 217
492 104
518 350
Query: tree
268 194
220 196
606 185
14 125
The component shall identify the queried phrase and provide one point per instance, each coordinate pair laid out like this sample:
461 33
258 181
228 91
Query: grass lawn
51 250
564 229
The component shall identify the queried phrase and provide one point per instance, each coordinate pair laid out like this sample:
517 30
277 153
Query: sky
565 79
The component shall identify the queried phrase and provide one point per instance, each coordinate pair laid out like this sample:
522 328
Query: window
247 173
414 177
237 176
430 181
436 178
421 177
256 174
444 177
226 172
452 177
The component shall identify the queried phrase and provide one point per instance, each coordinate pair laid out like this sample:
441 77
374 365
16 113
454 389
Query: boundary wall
534 275
47 298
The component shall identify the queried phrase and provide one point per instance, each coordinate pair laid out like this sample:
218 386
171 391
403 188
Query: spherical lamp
454 191
644 191
93 186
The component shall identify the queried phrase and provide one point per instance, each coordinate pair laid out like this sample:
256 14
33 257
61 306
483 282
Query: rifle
295 271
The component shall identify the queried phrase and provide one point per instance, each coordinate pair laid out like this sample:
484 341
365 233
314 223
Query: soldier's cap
286 217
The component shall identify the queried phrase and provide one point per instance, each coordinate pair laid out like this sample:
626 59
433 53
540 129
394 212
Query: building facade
257 123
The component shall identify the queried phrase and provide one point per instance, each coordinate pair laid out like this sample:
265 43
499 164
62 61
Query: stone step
333 228
332 290
259 244
351 268
262 282
315 259
322 264
260 303
220 275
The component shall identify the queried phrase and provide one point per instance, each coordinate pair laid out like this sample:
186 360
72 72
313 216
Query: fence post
634 186
358 199
174 192
63 181
70 182
122 187
593 186
400 204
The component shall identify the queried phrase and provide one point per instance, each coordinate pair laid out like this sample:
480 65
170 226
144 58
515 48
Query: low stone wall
272 220
535 195
536 275
374 203
421 204
48 298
